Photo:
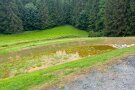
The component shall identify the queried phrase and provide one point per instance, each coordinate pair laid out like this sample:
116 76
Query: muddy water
84 51
69 54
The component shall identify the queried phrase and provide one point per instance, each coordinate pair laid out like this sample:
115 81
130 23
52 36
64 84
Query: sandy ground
118 77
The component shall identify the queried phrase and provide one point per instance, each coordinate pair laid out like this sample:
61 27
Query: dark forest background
106 17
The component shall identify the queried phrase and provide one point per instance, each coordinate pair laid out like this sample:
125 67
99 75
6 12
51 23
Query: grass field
54 33
21 51
10 43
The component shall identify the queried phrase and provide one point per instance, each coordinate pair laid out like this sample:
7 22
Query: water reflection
84 51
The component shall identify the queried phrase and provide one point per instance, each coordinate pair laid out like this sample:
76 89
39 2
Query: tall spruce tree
43 14
9 20
132 17
100 24
116 18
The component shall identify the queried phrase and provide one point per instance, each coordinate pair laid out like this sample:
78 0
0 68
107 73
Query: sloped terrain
119 76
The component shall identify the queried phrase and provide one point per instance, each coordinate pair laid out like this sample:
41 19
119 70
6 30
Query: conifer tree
9 21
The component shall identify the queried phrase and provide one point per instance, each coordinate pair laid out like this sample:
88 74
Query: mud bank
118 77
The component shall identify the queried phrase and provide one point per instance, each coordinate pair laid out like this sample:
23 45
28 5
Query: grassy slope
24 82
18 47
15 42
58 32
18 41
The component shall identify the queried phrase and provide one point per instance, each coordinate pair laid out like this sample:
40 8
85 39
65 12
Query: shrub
95 34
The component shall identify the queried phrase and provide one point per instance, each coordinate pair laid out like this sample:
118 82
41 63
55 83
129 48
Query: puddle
84 51
68 55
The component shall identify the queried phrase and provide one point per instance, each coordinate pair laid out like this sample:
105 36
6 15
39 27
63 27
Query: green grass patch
54 33
8 49
25 81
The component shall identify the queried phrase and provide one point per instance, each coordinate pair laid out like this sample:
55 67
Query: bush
96 34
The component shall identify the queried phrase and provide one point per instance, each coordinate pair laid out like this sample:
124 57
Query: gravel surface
118 77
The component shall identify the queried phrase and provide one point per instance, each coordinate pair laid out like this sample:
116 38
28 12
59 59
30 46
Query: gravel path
118 77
